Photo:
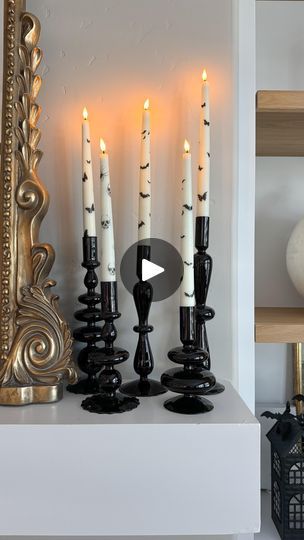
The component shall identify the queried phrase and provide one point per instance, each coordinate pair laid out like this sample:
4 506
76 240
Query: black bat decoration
145 166
149 181
144 195
200 168
183 180
202 197
141 224
189 295
298 397
203 105
206 123
188 264
88 161
144 131
88 141
183 236
187 206
103 174
208 154
91 209
274 416
84 178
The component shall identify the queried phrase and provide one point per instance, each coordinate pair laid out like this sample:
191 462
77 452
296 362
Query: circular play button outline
157 256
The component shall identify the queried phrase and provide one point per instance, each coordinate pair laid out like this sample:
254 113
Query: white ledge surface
65 471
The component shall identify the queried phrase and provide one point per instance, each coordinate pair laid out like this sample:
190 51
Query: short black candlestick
108 401
90 333
143 359
193 380
202 275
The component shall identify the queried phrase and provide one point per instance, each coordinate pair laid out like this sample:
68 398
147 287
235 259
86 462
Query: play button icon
150 270
156 261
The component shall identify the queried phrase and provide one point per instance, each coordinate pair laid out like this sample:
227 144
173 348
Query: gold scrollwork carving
35 340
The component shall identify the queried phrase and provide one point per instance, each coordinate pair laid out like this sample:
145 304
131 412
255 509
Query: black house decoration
287 472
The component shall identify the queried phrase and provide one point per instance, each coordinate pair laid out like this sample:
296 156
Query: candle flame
102 145
147 104
186 146
204 75
85 113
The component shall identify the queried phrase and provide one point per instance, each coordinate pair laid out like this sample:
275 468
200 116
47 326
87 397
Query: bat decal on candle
183 236
84 178
88 161
200 168
141 224
90 209
189 295
202 197
187 206
111 269
109 190
183 180
105 222
145 166
149 181
144 195
204 104
88 141
188 263
206 123
208 154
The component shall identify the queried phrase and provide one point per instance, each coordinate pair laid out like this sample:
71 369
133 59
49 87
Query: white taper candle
187 298
89 224
107 248
144 211
203 180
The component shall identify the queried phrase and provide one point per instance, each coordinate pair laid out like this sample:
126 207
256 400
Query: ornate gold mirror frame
35 341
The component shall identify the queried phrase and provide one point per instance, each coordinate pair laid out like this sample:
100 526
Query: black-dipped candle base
143 359
90 333
203 265
193 381
108 400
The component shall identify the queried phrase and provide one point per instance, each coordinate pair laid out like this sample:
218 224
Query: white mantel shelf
146 472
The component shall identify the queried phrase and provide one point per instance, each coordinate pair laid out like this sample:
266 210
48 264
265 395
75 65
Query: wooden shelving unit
279 123
279 325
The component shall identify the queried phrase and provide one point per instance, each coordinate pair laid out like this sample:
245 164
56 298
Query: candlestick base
103 404
143 388
188 405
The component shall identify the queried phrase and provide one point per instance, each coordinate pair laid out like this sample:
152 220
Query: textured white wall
110 55
279 188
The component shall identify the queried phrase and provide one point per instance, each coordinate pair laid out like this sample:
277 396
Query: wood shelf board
279 325
280 123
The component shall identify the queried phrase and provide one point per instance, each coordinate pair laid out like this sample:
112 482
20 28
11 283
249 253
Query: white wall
279 189
110 55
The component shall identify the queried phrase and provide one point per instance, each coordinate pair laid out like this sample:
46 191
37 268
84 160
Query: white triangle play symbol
150 270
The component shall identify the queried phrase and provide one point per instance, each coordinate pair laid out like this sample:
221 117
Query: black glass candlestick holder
143 359
202 275
193 380
90 333
108 401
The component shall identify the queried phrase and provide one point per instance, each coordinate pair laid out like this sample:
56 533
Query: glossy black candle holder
143 359
108 401
90 333
193 380
202 275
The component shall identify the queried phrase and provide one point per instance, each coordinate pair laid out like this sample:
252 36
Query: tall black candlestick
143 359
193 380
202 275
108 401
89 334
